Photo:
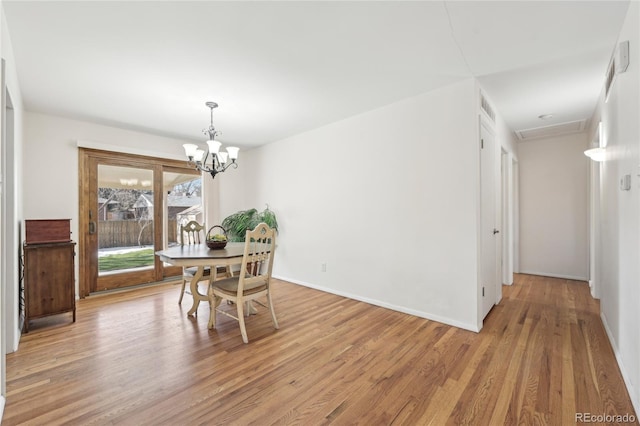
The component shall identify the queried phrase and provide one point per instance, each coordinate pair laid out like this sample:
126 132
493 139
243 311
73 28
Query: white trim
421 314
3 401
127 150
546 274
627 380
507 216
594 220
592 289
516 215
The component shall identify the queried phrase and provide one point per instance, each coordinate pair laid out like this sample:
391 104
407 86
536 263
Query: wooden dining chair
253 282
191 233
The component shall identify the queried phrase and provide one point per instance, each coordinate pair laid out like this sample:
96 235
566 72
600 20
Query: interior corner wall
554 205
387 200
619 210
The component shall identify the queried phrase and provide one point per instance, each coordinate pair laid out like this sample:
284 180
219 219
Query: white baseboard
592 287
547 274
633 395
421 314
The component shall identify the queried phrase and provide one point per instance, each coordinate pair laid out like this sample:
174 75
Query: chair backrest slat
193 231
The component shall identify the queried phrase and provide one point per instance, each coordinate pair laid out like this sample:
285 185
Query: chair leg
273 312
184 282
243 329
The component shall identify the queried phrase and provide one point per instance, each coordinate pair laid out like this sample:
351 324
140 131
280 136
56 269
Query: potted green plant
238 223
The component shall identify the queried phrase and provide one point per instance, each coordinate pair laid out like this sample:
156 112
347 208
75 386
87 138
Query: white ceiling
281 68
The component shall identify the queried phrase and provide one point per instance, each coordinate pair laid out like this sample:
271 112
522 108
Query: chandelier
219 161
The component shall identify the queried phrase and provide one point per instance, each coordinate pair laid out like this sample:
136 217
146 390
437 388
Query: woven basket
216 245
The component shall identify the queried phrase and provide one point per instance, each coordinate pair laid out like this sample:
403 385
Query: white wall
51 143
3 286
51 146
554 206
13 195
11 210
391 196
619 244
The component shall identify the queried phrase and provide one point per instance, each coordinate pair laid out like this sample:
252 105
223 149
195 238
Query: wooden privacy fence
124 233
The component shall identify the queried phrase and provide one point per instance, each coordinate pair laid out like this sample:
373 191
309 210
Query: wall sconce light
598 153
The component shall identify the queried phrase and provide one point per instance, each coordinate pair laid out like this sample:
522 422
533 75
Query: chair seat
230 286
191 271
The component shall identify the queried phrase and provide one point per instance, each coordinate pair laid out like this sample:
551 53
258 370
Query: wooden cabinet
49 280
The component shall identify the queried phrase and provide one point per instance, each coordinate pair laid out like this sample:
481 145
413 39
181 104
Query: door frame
88 159
505 222
515 216
11 312
507 190
595 185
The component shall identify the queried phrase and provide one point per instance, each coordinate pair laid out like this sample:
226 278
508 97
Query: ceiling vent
484 106
551 131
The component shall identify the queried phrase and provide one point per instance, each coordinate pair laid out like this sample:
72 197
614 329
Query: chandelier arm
200 168
233 163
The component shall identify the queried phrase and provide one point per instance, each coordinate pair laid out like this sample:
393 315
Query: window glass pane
183 203
125 219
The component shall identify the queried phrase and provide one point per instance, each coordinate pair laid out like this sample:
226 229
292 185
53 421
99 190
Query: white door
489 232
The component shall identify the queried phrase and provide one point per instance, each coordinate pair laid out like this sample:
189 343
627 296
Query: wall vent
619 63
551 131
484 106
611 75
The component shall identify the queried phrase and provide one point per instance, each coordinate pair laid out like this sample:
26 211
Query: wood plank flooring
135 358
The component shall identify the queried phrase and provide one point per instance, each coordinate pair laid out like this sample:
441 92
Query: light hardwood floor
134 358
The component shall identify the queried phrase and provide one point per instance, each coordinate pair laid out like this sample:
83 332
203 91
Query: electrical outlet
323 267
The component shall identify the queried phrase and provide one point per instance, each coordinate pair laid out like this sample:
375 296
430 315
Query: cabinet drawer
39 231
